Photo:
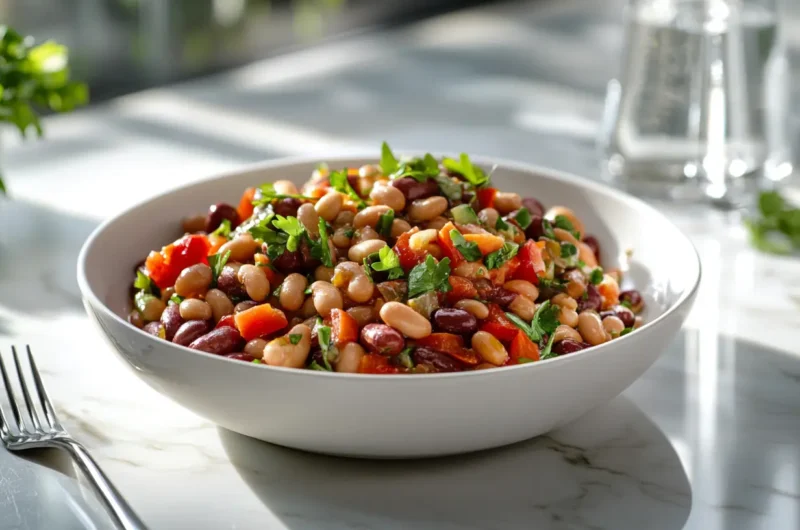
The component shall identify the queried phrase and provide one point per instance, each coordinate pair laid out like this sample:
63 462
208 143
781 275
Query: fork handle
122 514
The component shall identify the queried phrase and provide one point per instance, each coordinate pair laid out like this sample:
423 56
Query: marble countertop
708 438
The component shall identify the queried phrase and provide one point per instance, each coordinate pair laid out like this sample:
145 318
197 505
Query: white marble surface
709 438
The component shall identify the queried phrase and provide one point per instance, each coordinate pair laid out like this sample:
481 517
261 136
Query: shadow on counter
613 468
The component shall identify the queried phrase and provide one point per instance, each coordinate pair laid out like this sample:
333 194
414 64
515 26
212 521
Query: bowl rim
485 161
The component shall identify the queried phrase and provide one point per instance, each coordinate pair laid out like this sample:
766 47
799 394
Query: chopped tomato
446 244
531 263
506 271
499 325
245 208
374 363
227 320
461 288
487 243
344 328
464 355
441 342
523 348
486 197
409 258
259 321
165 266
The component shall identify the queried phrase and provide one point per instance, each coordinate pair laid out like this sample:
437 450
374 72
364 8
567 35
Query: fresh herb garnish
524 360
449 188
268 194
568 250
429 276
324 336
501 225
389 262
464 167
349 232
141 299
176 299
547 351
143 282
224 229
547 229
626 303
405 358
564 223
307 291
339 182
277 292
596 276
367 269
523 218
496 259
295 338
256 361
468 249
625 332
389 162
322 247
293 227
776 229
217 262
463 214
384 226
545 321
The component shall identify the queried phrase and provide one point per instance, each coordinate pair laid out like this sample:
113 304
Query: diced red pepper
228 321
408 258
245 208
447 246
531 262
462 288
165 266
259 321
344 328
499 325
523 348
450 344
506 271
375 363
486 197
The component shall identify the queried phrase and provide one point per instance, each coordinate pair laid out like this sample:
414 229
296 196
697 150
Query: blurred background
119 46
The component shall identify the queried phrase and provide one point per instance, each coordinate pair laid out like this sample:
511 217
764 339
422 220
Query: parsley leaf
256 361
626 303
405 358
268 194
568 250
429 276
625 332
547 229
339 182
217 262
496 259
501 225
324 249
293 227
564 223
596 276
224 229
324 336
176 299
524 326
388 262
389 162
384 226
777 228
295 338
545 320
449 188
472 174
523 218
277 292
468 249
143 282
368 269
547 351
349 232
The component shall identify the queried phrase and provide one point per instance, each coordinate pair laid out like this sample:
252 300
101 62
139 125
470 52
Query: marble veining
708 438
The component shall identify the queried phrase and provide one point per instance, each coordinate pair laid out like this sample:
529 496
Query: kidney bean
219 341
383 339
241 357
535 229
190 331
218 213
494 293
154 328
439 361
287 207
244 306
228 282
622 313
413 190
634 298
593 244
171 318
591 300
456 321
568 346
534 206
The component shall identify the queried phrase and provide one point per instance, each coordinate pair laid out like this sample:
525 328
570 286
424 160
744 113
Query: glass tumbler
699 110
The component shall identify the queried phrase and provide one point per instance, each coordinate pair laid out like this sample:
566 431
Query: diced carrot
461 288
344 328
245 208
441 342
448 249
375 363
506 271
487 243
259 321
523 348
464 355
216 242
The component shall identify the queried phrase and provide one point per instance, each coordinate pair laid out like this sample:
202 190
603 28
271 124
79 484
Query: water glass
699 110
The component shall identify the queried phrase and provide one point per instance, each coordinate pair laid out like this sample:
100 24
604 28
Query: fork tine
16 421
49 411
34 415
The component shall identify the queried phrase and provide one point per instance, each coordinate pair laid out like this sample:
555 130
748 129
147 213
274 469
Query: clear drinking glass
699 110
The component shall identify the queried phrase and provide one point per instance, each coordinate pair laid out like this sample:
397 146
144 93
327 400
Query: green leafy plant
34 78
776 227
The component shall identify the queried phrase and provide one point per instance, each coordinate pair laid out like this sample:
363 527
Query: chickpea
151 308
365 234
565 301
255 348
437 223
341 237
568 317
565 332
323 274
344 219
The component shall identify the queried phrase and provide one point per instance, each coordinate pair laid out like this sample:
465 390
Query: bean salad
409 266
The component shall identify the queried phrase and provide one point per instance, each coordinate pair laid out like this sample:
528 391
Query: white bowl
396 416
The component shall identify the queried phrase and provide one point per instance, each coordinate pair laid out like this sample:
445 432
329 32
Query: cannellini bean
285 187
471 270
565 301
523 287
565 332
292 293
309 218
349 358
220 304
591 328
255 282
360 251
400 227
423 210
326 298
523 307
370 215
193 281
489 217
323 273
281 351
489 348
329 205
421 239
568 317
242 248
389 196
255 348
406 320
474 307
506 202
556 211
613 325
194 309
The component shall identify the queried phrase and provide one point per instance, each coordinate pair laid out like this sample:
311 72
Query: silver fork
27 428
